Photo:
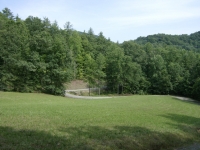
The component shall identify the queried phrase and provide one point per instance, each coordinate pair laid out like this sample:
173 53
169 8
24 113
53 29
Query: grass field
39 121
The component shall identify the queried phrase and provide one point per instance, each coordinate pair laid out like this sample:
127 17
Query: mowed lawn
40 121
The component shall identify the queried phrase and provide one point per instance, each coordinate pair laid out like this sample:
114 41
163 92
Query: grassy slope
39 121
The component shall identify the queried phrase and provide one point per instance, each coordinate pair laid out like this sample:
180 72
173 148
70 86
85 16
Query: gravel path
184 98
195 146
67 94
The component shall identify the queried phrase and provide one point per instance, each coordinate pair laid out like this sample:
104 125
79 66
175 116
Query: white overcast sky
120 20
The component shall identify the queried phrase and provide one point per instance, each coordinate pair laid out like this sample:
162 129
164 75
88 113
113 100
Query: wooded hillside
37 55
188 42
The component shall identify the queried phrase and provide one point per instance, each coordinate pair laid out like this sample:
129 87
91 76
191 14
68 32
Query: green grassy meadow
40 121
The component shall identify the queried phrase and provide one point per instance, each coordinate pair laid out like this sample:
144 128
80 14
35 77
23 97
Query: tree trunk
99 90
118 89
99 86
89 90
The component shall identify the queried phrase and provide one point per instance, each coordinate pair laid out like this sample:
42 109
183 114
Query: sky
119 20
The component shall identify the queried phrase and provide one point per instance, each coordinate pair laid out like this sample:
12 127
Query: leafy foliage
36 55
187 42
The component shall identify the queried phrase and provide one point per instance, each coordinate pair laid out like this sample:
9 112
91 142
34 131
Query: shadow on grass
187 100
88 138
97 137
183 119
29 140
187 124
123 137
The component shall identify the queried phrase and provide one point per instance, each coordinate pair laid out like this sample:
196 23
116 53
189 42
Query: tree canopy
38 56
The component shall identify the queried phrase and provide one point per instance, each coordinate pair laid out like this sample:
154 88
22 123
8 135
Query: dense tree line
187 42
37 55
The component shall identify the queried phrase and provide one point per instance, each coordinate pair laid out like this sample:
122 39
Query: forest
36 55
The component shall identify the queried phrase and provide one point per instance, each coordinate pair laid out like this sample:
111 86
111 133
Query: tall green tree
158 76
7 13
114 69
75 45
89 71
100 68
14 49
133 78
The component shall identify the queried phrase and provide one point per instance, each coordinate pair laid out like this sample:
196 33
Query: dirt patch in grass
198 130
76 84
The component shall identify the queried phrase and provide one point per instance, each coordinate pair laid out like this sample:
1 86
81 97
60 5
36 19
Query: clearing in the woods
40 121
